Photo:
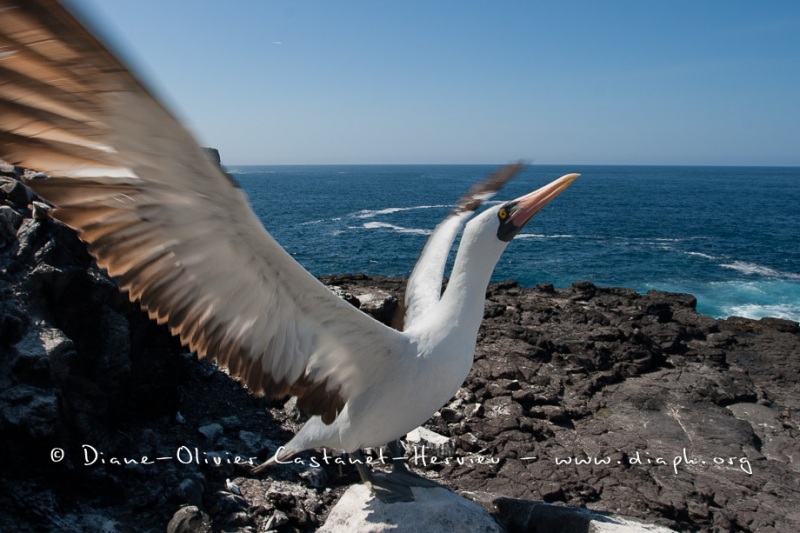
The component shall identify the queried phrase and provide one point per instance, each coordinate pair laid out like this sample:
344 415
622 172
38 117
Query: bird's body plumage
441 344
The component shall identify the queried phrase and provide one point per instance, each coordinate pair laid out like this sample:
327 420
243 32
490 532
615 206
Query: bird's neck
463 300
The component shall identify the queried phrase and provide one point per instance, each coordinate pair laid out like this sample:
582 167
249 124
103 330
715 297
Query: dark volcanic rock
586 396
92 391
627 403
213 155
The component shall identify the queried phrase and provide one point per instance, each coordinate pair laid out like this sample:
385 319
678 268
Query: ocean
728 235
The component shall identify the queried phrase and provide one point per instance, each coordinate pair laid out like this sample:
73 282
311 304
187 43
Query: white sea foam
372 213
320 221
755 269
398 229
242 172
700 254
543 236
752 299
757 311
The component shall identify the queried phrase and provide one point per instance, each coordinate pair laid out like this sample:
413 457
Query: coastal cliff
584 396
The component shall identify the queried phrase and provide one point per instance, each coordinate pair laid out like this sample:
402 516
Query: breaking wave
372 213
759 270
395 228
756 311
701 254
542 236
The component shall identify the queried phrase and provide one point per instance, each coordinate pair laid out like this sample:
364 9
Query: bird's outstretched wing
424 287
159 214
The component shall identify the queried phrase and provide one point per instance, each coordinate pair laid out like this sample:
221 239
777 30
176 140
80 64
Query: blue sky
574 82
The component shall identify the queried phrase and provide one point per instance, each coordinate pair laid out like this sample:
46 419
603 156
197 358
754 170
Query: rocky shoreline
585 396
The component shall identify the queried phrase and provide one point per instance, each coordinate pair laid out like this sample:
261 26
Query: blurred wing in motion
157 212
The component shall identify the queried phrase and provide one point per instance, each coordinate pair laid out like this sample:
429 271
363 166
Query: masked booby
156 213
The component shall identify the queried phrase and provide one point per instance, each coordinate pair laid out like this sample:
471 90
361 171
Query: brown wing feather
158 214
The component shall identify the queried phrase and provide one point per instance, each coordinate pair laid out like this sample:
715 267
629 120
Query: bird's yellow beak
530 204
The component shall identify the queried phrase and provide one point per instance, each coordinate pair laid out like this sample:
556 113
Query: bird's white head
496 226
484 239
487 235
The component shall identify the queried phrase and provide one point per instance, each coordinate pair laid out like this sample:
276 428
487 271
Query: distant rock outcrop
596 398
213 154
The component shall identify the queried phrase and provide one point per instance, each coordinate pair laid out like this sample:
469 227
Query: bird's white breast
415 388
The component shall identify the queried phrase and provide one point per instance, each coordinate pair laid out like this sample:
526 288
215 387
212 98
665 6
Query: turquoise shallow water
728 235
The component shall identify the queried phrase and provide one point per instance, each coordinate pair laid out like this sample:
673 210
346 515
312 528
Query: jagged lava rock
92 390
626 403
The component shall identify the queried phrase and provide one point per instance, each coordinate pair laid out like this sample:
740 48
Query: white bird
179 235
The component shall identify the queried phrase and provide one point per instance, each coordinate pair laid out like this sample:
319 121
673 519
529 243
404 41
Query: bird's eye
502 214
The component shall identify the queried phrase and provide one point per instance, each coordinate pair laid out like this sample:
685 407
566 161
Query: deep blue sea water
728 235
